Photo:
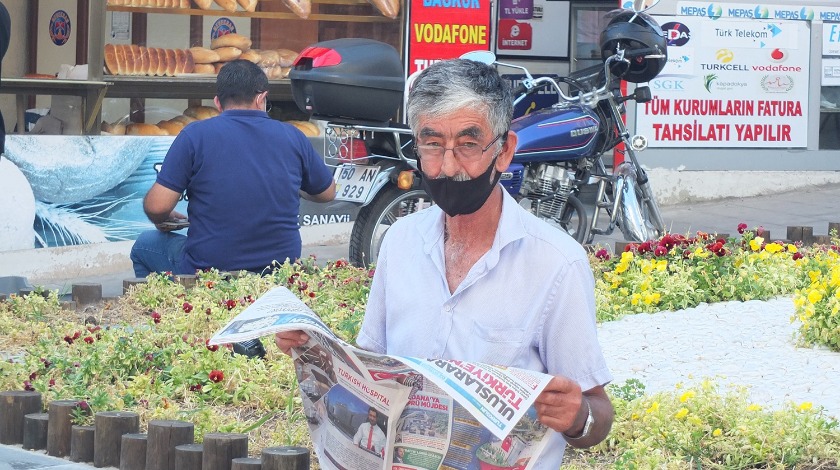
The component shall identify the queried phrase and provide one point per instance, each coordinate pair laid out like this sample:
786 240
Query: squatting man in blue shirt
477 277
244 174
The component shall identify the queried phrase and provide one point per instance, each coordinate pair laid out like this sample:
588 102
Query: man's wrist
588 423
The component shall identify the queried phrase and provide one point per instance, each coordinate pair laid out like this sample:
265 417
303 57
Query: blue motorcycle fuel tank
555 134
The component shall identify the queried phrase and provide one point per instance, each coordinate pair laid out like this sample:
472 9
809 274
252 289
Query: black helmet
643 32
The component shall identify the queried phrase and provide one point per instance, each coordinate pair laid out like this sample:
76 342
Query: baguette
202 55
184 119
121 52
251 55
301 8
172 127
248 5
180 61
287 57
269 58
207 69
389 8
145 61
143 129
229 5
227 54
137 60
201 112
203 4
111 65
231 40
189 66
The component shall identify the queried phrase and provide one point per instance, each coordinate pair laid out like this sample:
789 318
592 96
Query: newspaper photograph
374 411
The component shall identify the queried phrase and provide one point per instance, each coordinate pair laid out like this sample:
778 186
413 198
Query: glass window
587 23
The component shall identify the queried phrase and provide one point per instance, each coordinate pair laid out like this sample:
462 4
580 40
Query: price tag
354 182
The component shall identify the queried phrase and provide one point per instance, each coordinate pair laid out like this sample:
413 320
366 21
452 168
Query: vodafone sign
445 29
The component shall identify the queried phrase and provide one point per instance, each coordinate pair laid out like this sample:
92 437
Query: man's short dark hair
239 81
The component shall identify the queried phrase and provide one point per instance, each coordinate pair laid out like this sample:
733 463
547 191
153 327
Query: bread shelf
257 14
185 86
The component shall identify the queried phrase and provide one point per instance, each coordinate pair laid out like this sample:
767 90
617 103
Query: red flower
27 385
83 405
156 317
33 376
187 307
312 295
94 329
629 247
212 347
742 227
668 242
89 339
602 254
195 388
77 335
644 247
797 256
217 375
210 284
340 263
52 382
660 251
208 312
69 339
230 304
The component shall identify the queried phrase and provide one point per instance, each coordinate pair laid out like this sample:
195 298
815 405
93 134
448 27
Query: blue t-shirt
241 172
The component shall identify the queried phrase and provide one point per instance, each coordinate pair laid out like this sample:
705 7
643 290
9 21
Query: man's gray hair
452 86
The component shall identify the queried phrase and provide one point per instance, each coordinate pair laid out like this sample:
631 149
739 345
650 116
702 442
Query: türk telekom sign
445 29
729 83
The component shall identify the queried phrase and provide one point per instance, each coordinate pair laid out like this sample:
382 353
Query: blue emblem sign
60 27
221 27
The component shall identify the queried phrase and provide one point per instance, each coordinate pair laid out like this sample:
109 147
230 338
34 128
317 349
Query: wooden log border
114 435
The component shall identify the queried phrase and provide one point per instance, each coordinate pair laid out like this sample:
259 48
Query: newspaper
376 411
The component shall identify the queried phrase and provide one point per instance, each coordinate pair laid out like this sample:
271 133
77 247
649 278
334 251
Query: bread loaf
227 54
269 58
145 61
218 66
301 8
251 55
248 5
229 5
171 127
113 129
231 40
184 4
274 73
203 4
189 66
309 129
207 69
171 62
184 119
201 112
111 65
180 61
143 129
389 8
154 61
287 57
202 55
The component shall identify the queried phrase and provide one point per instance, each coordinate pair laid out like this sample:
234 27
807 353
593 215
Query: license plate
354 182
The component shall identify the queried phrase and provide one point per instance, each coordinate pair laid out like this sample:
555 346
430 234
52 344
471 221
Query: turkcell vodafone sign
729 83
445 29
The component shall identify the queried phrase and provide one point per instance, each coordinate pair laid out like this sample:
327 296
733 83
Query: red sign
514 35
445 29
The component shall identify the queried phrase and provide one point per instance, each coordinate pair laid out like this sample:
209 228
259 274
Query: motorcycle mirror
485 57
642 5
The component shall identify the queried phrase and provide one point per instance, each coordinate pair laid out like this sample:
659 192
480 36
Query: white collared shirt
528 302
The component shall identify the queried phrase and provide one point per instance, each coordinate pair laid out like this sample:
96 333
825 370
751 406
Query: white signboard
758 11
831 39
830 72
729 83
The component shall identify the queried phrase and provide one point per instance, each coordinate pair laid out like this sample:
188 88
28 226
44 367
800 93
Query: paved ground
753 348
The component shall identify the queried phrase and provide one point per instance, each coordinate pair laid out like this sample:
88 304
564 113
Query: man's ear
218 103
508 149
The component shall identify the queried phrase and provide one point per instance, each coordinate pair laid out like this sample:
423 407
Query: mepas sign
831 39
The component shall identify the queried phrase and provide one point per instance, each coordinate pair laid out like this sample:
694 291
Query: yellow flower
634 417
620 267
773 247
647 267
754 407
814 275
805 406
755 243
814 296
717 432
653 407
791 248
626 256
661 265
682 413
688 395
634 299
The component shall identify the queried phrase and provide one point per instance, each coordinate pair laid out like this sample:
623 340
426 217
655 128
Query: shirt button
448 308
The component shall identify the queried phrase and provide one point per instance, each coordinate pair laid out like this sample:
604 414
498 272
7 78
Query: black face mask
462 197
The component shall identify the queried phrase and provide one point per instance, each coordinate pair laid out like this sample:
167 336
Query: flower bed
147 352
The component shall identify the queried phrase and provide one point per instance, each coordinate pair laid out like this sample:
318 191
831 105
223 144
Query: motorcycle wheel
376 218
647 209
574 219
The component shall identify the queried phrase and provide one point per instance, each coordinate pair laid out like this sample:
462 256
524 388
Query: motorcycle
559 153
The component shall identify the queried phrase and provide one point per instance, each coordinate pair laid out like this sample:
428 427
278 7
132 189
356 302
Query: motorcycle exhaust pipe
632 222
